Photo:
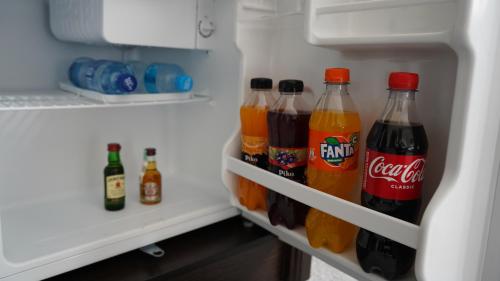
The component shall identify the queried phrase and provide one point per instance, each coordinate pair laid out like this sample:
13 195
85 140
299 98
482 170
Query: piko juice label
254 150
288 162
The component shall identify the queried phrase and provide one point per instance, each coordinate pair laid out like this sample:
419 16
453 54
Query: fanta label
333 151
392 176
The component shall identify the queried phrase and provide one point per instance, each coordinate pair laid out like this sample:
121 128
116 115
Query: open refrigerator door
444 43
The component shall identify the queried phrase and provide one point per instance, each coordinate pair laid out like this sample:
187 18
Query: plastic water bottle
167 78
104 76
138 68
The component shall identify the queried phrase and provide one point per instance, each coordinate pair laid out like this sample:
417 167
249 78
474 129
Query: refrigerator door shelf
379 22
346 261
398 230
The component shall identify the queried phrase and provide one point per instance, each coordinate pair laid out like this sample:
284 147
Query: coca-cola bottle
393 174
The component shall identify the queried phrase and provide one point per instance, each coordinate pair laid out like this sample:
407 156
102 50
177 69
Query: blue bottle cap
184 83
126 83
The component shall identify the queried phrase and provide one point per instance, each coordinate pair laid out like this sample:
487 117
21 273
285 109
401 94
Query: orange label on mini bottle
333 151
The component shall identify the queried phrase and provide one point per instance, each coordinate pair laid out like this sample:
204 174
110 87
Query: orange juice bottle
334 132
254 140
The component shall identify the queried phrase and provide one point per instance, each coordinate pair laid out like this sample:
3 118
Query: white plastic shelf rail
393 228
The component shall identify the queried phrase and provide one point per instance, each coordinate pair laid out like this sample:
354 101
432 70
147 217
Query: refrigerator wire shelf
58 99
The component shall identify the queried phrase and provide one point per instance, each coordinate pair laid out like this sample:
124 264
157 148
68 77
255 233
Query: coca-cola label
392 176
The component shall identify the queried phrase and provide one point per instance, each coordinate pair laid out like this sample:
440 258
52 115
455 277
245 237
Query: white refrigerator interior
53 143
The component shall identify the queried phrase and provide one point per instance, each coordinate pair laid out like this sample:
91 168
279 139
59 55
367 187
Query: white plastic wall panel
379 22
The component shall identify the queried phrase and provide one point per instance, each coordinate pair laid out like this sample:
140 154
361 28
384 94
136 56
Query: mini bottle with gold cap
334 130
151 180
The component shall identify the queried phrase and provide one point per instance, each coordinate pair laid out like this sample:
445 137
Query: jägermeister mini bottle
151 180
114 180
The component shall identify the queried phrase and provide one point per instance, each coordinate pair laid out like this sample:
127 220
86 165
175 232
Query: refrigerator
53 142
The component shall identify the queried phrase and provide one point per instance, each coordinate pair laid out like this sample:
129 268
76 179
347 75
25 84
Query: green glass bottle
114 180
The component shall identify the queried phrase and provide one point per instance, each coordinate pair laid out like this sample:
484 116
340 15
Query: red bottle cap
337 75
114 147
150 151
403 81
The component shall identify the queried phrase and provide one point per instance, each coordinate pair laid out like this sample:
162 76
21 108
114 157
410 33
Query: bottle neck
259 98
114 158
151 163
337 89
400 108
336 98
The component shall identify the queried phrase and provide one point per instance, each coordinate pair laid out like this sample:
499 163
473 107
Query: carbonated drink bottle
288 123
254 140
334 131
396 148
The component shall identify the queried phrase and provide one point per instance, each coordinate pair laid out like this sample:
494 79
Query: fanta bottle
334 131
254 140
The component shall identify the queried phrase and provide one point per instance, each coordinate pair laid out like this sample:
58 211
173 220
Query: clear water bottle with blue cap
104 76
138 68
166 78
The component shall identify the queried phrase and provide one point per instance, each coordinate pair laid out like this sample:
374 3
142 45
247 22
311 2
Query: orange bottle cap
337 75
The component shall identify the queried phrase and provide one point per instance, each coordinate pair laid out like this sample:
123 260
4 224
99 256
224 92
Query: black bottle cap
261 83
291 86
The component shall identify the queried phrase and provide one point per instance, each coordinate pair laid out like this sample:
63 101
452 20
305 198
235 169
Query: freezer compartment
174 23
380 22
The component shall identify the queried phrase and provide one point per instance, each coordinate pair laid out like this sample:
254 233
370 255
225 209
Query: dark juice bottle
114 180
288 125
